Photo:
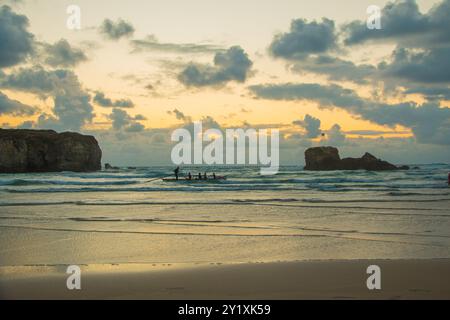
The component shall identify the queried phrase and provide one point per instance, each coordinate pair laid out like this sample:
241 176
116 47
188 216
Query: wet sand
331 279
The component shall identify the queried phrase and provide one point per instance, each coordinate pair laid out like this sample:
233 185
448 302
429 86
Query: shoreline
310 279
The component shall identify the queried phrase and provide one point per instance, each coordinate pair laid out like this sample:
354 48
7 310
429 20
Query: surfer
199 176
176 171
214 175
189 176
448 179
205 177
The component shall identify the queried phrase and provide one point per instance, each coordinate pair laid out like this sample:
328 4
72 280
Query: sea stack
327 158
47 151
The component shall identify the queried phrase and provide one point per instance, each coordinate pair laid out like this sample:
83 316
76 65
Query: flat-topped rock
47 151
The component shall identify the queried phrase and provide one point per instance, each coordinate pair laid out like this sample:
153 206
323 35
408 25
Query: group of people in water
197 177
205 176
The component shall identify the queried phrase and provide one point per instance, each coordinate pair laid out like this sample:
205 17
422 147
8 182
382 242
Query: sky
136 70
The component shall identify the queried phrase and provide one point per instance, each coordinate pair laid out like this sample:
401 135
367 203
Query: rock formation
327 158
47 151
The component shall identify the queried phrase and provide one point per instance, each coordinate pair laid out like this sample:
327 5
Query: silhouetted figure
189 176
214 175
205 176
448 179
176 171
199 176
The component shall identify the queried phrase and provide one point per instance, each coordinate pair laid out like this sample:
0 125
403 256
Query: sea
131 215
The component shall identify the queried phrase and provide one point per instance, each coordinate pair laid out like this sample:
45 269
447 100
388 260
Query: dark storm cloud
429 122
62 54
303 39
116 30
16 43
402 21
103 101
150 43
231 65
311 126
14 107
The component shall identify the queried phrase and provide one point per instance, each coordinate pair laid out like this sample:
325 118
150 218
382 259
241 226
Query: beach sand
330 279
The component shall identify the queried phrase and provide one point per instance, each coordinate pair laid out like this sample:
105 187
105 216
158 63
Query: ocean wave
404 194
22 182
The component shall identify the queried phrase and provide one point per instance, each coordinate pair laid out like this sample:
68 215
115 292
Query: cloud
26 125
39 80
232 65
62 54
103 101
303 39
403 22
14 107
373 132
151 43
116 30
135 127
180 115
429 66
431 93
335 136
71 103
16 43
73 109
311 125
307 47
335 68
326 95
122 120
429 122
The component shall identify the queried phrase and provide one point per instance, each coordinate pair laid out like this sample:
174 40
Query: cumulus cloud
231 65
16 43
71 103
116 30
311 126
62 54
103 101
304 38
308 47
429 122
335 136
122 120
151 43
14 107
403 22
